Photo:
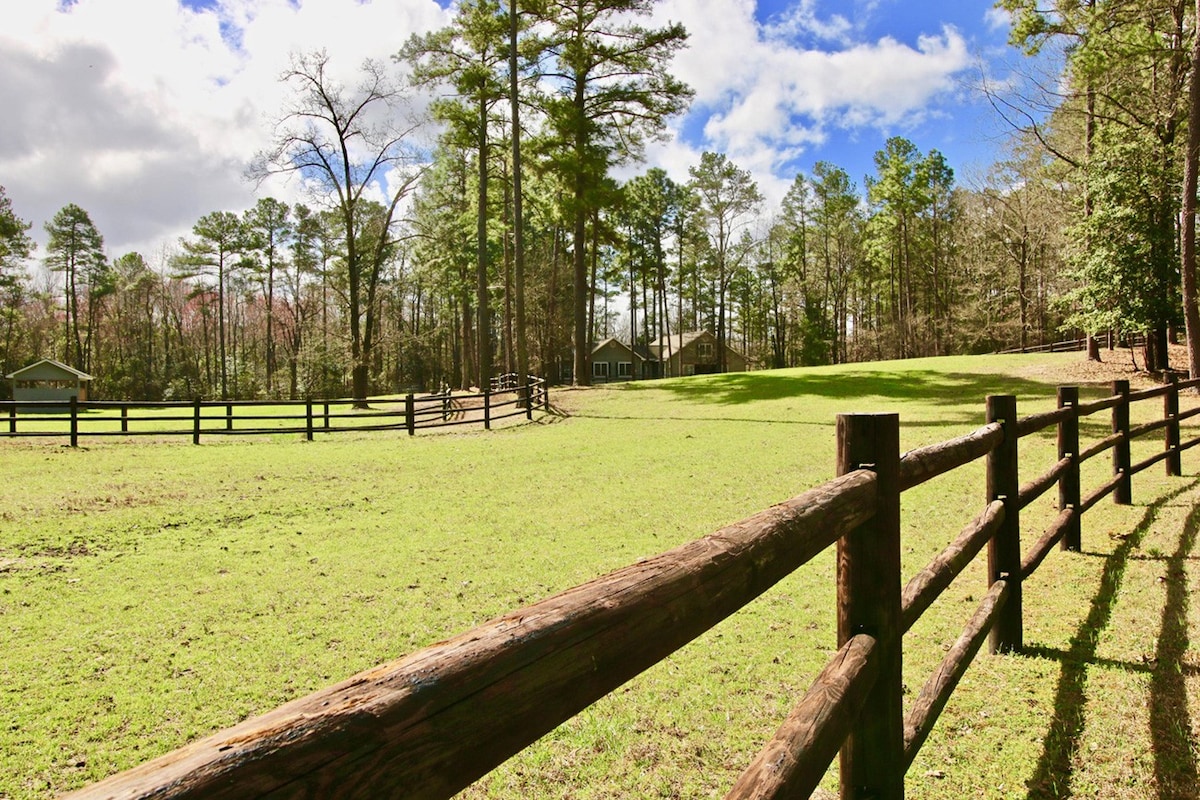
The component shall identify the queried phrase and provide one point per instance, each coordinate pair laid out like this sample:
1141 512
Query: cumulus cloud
997 19
803 20
146 112
772 92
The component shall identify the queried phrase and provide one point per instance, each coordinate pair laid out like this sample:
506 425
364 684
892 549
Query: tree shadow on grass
931 386
1170 723
1175 767
878 388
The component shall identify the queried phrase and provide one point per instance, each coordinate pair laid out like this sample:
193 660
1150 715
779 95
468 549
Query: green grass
151 593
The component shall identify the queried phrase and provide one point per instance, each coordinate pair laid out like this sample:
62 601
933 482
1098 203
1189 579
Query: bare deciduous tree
351 146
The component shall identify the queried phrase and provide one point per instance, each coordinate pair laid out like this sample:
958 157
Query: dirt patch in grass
1114 365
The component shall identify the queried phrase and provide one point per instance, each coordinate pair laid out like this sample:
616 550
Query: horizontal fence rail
207 418
1106 339
429 724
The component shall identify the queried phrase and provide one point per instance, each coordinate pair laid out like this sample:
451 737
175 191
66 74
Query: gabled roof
677 341
641 351
48 370
606 342
645 352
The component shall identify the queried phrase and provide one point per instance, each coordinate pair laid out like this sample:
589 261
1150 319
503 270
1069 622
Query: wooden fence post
196 423
229 416
1068 484
1171 435
1123 493
410 414
124 419
487 409
12 418
526 397
74 421
1004 548
326 410
872 759
308 420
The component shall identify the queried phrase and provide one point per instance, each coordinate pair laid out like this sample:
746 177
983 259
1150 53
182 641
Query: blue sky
957 41
145 112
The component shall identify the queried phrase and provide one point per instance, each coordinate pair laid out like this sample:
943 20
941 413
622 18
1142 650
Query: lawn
151 593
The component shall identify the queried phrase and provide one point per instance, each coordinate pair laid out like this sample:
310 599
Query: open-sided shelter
49 380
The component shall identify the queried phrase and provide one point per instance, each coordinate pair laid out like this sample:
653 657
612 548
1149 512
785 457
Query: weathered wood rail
1107 339
199 418
429 724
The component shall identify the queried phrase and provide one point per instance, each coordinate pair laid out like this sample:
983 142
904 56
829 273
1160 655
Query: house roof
48 370
677 341
645 352
664 347
607 341
641 351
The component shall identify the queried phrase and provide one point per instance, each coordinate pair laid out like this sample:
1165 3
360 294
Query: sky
147 112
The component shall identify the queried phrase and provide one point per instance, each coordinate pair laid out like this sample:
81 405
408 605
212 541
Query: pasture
151 593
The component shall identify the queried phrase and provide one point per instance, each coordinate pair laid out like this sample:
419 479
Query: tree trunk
1157 356
360 385
1191 312
221 326
483 332
518 221
270 366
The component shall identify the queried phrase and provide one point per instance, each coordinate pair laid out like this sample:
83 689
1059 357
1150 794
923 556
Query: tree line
510 246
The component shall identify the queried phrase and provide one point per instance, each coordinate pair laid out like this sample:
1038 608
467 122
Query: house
695 353
613 360
682 354
49 380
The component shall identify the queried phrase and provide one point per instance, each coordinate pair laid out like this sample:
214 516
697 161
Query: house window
705 349
599 369
689 369
624 369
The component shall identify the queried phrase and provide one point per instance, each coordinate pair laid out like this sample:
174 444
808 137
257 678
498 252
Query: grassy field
152 593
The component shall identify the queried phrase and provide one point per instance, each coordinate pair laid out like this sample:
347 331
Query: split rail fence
431 723
200 418
1106 339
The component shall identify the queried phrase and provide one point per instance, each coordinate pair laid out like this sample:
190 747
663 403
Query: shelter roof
48 370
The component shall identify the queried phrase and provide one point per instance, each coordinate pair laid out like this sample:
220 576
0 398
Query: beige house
613 360
695 353
49 380
687 354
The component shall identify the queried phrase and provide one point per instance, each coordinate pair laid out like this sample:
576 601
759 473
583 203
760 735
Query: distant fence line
505 398
428 724
1107 339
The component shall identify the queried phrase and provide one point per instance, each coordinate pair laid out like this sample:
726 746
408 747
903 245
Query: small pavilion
49 380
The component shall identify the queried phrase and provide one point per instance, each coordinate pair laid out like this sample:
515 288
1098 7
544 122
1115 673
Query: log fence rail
429 724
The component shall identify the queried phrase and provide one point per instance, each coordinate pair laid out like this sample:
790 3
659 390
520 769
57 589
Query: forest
511 247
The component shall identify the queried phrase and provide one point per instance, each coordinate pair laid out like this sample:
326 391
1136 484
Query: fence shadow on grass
1175 766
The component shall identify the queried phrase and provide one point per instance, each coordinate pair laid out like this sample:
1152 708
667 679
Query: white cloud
146 113
997 19
769 94
802 20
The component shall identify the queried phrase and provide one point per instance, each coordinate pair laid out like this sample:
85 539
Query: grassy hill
153 593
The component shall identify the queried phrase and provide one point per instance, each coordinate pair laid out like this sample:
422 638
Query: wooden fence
199 418
1106 339
428 725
